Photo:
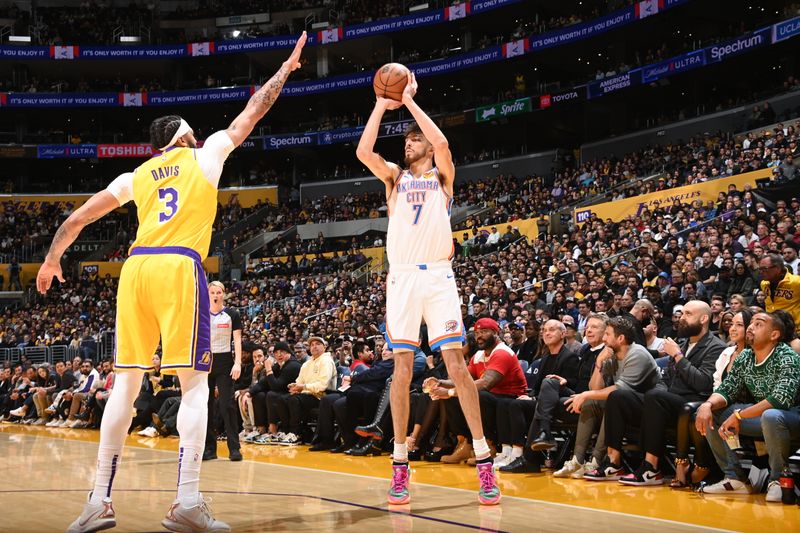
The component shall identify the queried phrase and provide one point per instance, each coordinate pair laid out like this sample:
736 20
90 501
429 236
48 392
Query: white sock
192 420
516 451
481 448
506 450
400 454
113 430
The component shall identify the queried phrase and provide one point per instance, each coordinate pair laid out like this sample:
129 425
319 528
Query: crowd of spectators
685 270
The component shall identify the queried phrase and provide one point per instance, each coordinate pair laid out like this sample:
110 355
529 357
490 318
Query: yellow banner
27 274
33 203
249 196
635 206
527 227
113 268
376 254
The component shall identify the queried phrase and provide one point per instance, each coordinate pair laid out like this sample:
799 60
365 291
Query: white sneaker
20 412
502 460
585 467
51 409
95 517
774 493
729 486
193 518
53 423
569 467
39 422
149 431
290 439
64 423
251 435
71 423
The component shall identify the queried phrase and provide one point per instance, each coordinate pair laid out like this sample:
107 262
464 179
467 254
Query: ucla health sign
786 30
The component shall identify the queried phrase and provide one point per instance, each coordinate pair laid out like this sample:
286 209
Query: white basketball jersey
419 221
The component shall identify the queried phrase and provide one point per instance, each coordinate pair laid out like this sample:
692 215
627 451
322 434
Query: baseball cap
283 347
663 275
487 323
515 325
677 309
318 339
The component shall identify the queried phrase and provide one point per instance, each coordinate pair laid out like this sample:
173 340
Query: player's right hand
46 274
294 59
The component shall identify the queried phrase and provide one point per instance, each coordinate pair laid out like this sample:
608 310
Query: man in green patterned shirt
769 373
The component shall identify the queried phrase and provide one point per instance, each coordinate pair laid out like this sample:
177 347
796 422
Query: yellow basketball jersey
176 204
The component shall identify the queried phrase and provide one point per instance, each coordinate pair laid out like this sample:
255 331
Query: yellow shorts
163 295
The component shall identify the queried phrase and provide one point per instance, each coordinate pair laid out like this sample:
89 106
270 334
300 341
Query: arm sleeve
213 154
236 319
784 390
122 188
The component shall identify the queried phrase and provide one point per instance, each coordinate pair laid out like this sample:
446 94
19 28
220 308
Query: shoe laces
486 477
399 478
205 508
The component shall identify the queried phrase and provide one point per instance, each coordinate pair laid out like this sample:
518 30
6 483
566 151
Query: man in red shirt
497 376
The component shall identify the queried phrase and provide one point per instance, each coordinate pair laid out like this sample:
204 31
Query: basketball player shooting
421 284
162 295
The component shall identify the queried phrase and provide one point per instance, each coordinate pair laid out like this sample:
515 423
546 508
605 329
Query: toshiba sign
124 150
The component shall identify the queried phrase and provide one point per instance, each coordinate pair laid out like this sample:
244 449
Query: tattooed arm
262 100
95 208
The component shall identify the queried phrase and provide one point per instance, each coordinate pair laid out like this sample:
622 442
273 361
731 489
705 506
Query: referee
225 324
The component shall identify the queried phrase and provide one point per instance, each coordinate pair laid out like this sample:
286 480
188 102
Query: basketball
390 80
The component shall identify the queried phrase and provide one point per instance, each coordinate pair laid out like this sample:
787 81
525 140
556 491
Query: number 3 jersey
419 220
175 193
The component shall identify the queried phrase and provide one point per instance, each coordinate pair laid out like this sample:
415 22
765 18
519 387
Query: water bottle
787 486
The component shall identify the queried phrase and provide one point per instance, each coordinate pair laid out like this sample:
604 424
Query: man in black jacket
689 378
362 402
279 372
559 364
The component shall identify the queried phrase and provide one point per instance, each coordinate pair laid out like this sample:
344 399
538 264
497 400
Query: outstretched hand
293 63
46 274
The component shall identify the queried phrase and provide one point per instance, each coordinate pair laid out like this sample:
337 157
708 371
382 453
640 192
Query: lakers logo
206 359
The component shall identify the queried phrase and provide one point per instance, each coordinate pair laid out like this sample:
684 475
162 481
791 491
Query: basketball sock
516 451
481 448
400 454
192 420
113 430
506 450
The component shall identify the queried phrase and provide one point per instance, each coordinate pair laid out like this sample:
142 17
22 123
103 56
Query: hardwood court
47 472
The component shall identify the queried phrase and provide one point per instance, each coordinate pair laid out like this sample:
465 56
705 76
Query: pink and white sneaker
489 492
398 490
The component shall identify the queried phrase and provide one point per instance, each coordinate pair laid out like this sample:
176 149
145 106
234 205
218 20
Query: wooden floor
46 474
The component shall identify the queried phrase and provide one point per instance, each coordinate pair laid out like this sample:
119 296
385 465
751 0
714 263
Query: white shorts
417 292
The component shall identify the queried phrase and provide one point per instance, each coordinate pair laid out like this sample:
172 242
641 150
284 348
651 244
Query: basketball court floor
46 473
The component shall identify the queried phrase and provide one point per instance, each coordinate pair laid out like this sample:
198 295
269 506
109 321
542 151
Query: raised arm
441 148
258 105
95 208
383 170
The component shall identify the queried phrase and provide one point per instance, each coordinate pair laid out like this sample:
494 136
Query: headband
183 129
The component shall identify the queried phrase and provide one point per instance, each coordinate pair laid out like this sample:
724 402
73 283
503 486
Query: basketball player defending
162 294
421 284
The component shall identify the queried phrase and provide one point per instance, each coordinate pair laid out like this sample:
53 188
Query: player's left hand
46 274
411 88
236 371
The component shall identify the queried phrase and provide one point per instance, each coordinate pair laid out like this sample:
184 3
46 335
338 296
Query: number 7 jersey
176 195
419 220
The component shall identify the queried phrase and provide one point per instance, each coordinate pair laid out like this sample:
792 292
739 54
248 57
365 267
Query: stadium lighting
129 39
418 7
236 33
19 39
